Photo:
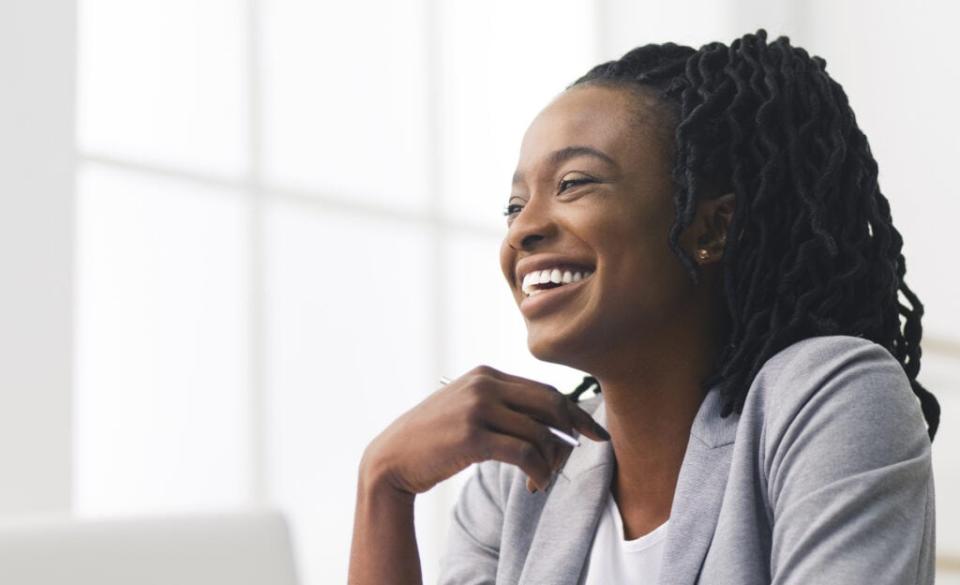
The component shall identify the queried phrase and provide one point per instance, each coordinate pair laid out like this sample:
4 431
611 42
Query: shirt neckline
640 543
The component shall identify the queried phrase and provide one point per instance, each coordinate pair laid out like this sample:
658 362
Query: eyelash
508 210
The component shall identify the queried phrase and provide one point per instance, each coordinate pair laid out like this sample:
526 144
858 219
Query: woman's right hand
483 414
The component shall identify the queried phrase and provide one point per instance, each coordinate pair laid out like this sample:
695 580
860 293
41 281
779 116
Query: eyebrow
558 157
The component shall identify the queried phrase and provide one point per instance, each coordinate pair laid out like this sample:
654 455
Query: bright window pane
502 62
345 99
162 315
349 350
164 82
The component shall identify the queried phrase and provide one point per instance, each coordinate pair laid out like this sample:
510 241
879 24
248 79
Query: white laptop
230 548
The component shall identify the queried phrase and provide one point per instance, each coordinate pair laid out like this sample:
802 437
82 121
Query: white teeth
528 281
554 275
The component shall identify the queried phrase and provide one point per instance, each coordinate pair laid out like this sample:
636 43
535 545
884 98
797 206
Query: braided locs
811 248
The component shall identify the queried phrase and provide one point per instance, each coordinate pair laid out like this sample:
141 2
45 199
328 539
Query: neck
651 402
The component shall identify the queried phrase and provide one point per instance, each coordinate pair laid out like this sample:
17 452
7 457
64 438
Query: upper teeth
555 275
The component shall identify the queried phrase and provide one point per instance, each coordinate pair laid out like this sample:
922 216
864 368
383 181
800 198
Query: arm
849 478
384 547
482 416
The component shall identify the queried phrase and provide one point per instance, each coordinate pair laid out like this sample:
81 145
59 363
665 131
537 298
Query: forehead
603 118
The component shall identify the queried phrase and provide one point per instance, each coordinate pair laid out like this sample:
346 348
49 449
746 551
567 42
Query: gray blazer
825 477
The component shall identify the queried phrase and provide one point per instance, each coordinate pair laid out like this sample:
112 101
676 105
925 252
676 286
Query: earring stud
702 254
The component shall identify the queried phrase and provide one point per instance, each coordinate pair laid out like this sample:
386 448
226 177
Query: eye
566 183
512 209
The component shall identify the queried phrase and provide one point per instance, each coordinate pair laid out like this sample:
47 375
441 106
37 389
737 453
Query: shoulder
826 354
830 372
836 401
844 462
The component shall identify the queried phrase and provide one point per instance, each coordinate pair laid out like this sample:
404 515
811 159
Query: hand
484 414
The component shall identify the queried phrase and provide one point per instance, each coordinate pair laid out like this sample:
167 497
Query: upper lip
542 261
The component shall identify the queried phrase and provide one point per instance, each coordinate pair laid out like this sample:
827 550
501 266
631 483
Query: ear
713 219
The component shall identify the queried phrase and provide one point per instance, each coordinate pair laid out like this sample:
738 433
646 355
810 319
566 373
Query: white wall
37 44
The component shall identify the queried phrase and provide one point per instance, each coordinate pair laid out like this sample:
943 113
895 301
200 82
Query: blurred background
239 237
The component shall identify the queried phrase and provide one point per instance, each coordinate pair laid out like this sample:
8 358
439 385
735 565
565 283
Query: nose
532 224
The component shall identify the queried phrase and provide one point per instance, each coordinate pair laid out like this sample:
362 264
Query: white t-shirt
615 560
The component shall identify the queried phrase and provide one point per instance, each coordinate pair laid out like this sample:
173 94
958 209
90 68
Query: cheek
629 244
640 267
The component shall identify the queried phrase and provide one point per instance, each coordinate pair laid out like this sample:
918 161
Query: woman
702 232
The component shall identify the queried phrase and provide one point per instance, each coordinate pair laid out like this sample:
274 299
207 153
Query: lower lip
550 298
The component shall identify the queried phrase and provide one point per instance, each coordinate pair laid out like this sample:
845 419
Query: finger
563 453
565 413
523 454
552 407
522 426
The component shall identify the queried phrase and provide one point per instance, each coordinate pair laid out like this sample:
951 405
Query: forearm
384 548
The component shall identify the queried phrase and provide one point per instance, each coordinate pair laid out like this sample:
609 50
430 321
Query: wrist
377 479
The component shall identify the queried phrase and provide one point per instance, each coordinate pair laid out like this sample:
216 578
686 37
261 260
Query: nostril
527 241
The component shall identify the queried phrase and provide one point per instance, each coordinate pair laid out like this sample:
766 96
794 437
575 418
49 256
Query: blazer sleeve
848 471
473 540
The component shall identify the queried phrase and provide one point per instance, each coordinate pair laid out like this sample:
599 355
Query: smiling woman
702 232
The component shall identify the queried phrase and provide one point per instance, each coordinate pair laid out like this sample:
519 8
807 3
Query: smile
546 296
539 281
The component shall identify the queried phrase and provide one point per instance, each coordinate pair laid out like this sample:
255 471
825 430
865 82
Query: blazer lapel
568 522
699 493
570 514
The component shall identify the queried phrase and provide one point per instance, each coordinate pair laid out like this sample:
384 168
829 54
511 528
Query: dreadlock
813 248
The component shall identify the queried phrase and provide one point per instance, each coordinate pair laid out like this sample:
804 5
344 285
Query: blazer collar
575 501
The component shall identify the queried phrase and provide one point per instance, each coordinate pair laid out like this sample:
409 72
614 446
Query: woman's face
593 193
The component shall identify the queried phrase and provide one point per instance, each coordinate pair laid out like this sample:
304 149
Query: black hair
811 248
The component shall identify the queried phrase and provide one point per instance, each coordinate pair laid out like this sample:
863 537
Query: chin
556 349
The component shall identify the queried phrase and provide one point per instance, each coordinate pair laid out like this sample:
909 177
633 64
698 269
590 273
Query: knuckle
470 433
474 395
481 384
483 412
482 370
475 414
